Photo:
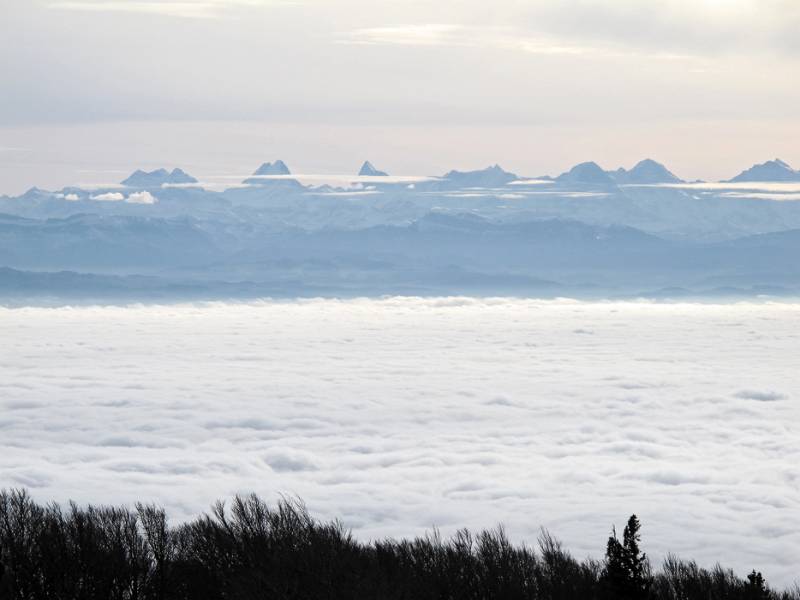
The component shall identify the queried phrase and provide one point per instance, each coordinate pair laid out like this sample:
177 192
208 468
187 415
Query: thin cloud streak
451 35
337 177
192 10
757 186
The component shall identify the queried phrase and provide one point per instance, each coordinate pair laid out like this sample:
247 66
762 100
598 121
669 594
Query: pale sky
93 89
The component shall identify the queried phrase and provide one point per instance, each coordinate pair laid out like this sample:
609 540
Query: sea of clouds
401 414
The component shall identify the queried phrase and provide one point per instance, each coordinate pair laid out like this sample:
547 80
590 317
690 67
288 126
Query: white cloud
108 197
400 414
667 30
334 178
532 182
347 193
762 196
741 188
71 197
507 38
144 197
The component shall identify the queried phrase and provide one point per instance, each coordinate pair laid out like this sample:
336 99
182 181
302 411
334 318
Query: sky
401 414
93 89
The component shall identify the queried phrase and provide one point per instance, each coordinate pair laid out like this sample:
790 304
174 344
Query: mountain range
588 230
645 172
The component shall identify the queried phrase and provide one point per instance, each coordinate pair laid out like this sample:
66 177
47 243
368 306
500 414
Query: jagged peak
369 170
771 170
157 177
273 168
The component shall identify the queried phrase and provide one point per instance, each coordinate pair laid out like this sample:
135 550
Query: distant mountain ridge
646 171
158 178
586 172
494 176
647 196
772 170
277 168
273 174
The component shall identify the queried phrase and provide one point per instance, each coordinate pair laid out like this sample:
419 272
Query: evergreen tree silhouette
254 551
626 573
755 588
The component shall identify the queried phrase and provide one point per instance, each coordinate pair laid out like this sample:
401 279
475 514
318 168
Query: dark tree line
251 550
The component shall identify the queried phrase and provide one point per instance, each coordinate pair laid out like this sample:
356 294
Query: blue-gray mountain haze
587 232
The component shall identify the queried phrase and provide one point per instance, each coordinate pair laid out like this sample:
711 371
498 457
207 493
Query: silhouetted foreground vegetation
250 550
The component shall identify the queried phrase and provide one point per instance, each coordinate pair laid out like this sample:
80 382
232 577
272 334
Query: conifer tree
626 573
755 588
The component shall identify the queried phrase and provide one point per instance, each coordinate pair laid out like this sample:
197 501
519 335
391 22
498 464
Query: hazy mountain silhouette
494 176
772 170
157 178
646 171
587 172
461 232
277 168
263 176
368 170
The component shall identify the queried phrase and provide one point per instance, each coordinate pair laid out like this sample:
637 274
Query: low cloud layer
398 415
108 197
141 198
